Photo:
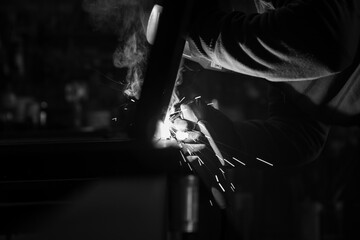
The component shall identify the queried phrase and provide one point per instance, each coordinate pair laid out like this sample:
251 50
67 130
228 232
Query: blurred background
62 77
56 69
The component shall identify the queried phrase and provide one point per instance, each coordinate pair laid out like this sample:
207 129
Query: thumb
188 113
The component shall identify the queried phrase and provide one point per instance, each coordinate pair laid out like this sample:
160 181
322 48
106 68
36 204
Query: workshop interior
84 85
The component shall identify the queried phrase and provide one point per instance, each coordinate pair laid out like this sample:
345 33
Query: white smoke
128 20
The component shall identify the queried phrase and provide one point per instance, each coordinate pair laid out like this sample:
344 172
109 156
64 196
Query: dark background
46 47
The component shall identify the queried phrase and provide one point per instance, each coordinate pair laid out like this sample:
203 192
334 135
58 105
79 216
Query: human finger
183 125
194 137
188 113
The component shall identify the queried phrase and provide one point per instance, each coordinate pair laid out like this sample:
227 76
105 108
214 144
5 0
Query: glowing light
229 163
239 161
264 161
219 157
188 150
182 100
189 166
222 188
223 173
181 136
182 155
163 130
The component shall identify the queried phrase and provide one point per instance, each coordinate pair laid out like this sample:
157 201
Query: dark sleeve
302 40
288 138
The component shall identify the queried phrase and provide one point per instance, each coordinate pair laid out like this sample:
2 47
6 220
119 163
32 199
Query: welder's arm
285 139
302 40
283 142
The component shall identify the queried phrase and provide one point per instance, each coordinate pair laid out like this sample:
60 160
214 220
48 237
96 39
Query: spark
132 100
217 179
209 104
183 157
191 147
108 78
229 163
189 166
211 202
223 173
221 187
232 185
114 119
238 161
199 159
264 161
220 158
188 150
198 97
182 100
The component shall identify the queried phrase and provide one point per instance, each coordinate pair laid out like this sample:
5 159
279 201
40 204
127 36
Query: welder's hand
210 132
210 138
192 141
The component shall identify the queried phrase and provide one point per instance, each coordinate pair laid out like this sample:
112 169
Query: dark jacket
309 52
310 48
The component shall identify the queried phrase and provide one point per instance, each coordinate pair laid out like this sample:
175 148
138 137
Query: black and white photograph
179 119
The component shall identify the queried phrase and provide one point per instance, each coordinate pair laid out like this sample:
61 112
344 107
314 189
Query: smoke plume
127 19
